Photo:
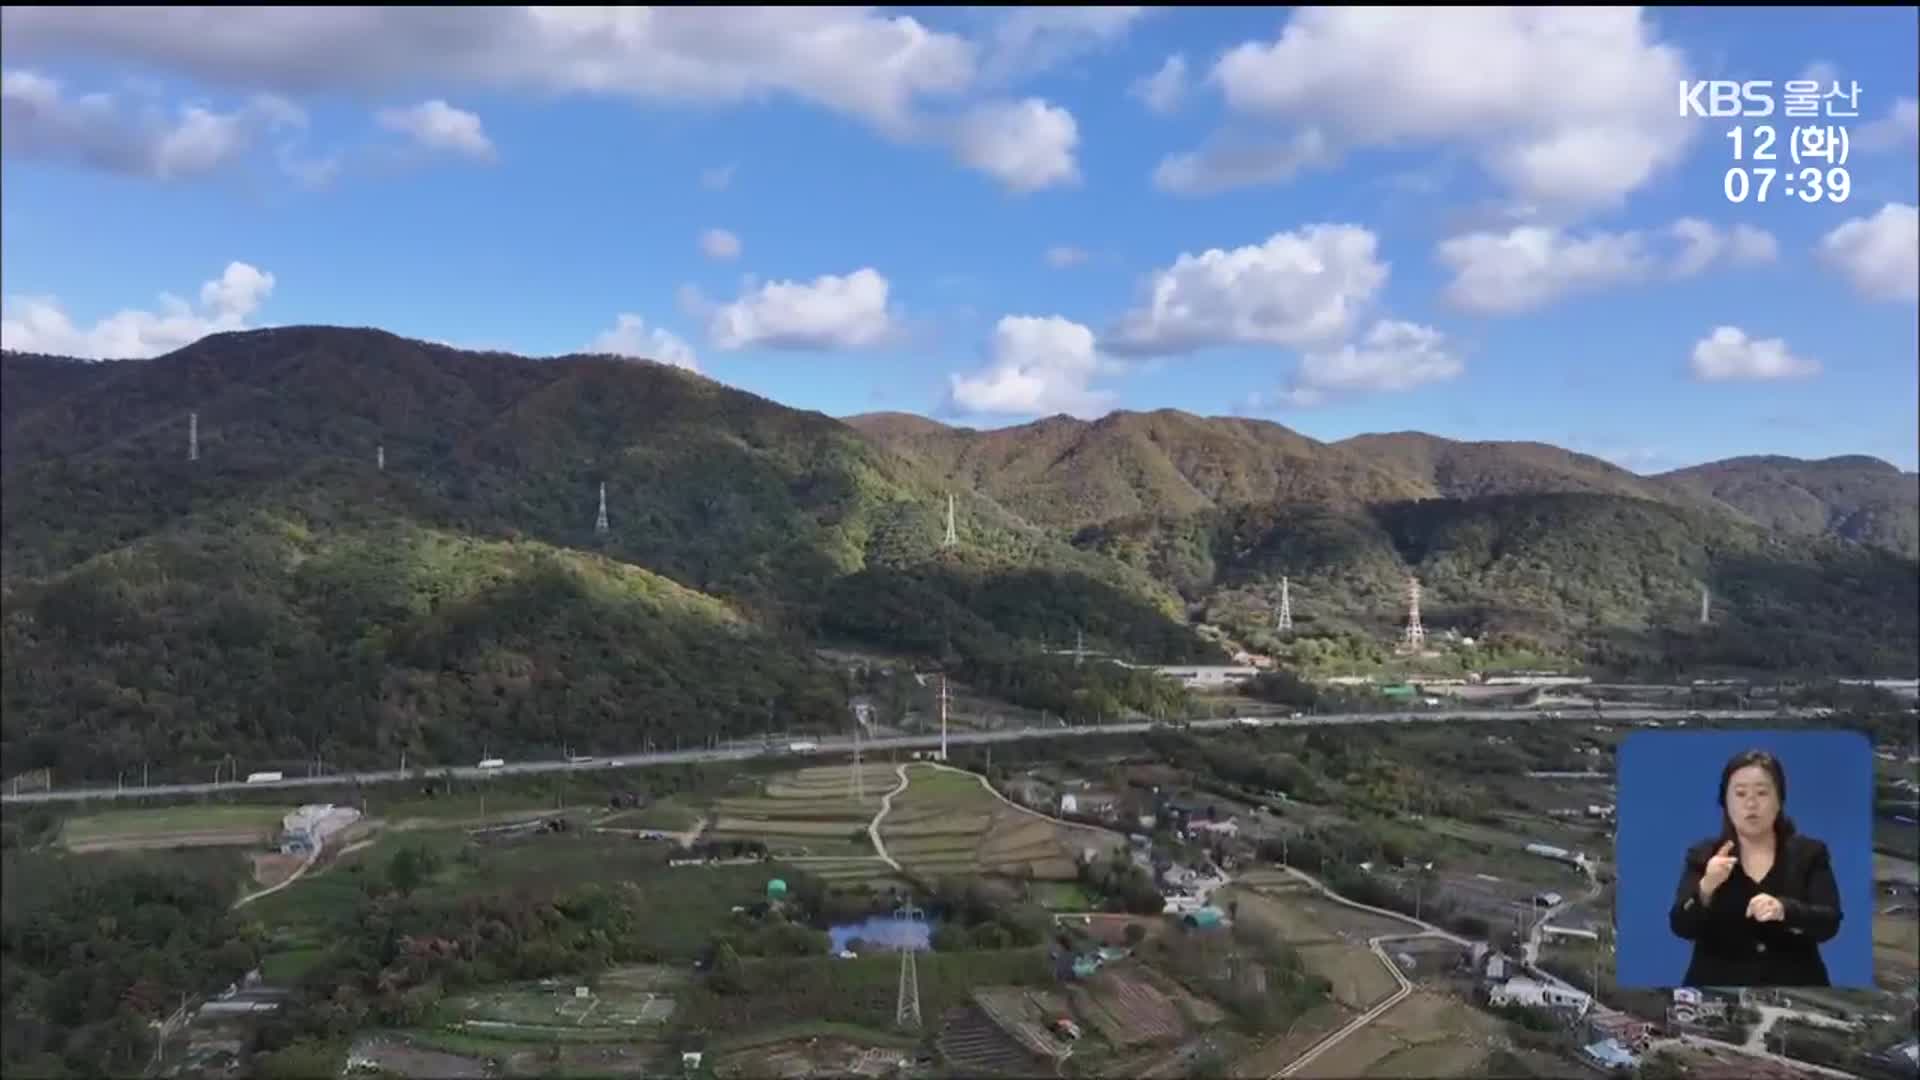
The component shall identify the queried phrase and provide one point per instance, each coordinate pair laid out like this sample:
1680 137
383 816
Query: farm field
1304 917
808 812
1281 1049
1127 1008
1331 939
1896 941
856 871
665 815
1427 1035
947 823
172 826
817 1056
1025 1016
550 1009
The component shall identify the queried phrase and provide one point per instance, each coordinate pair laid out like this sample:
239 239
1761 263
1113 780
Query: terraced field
947 823
810 812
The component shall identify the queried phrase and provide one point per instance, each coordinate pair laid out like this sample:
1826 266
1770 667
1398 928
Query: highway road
830 746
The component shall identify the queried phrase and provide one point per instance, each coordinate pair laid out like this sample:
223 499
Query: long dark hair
1782 824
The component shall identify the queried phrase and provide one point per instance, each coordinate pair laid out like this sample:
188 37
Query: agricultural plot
1128 1009
1026 1016
552 1010
947 823
799 1058
973 1045
172 826
1304 917
1331 939
1896 941
870 871
1303 1034
1427 1035
808 812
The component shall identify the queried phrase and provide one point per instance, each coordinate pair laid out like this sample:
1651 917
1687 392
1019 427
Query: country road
836 745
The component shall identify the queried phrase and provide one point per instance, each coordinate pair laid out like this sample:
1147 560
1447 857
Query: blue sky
1487 225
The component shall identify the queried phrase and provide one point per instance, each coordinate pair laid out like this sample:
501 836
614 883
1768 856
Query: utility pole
380 458
943 717
193 436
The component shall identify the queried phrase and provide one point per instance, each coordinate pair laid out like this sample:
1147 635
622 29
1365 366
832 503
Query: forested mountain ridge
1855 497
1167 463
285 595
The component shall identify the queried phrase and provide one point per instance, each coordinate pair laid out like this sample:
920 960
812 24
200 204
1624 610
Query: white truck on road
264 777
492 762
802 747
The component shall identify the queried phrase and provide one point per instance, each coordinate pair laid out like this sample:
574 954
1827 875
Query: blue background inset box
1667 804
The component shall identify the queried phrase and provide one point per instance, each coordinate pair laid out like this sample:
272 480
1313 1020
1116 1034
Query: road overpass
832 746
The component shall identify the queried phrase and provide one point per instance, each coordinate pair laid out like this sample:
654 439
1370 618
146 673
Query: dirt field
809 1057
1896 942
172 826
948 824
1026 1016
396 1054
1427 1035
1359 980
1281 1050
810 811
1127 1008
270 869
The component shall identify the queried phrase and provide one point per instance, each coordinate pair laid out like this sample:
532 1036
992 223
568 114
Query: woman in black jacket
1757 900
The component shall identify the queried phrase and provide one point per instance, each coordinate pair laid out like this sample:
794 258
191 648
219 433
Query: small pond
884 932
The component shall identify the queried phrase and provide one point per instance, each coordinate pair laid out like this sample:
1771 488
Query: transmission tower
1079 647
193 436
1706 605
859 780
906 1013
1284 623
952 539
380 458
1416 636
600 522
943 718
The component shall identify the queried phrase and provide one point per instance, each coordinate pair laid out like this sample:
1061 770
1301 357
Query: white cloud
719 244
1062 256
1564 106
1230 161
903 79
438 126
718 178
41 324
1026 145
1529 266
1296 289
1392 357
1163 90
632 337
1899 128
1880 255
1027 41
1706 244
830 312
859 61
1728 354
1036 365
38 120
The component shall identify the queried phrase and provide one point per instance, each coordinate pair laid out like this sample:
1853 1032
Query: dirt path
1370 1015
886 804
